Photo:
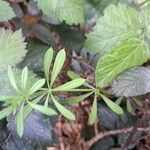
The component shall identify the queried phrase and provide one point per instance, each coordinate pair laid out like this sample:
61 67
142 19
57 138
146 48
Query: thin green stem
143 3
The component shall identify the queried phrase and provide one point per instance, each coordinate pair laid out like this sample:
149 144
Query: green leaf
70 11
20 121
127 54
36 86
65 112
3 98
77 99
133 82
47 62
118 23
12 79
12 48
113 106
58 64
44 110
70 85
72 75
5 112
93 114
6 12
24 78
129 107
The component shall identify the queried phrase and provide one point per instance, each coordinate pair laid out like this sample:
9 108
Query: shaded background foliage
61 29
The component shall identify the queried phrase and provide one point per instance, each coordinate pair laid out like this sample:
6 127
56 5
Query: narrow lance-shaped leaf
58 64
12 79
113 106
24 78
77 99
93 114
65 112
20 121
129 107
47 63
5 112
70 85
127 54
37 86
72 75
45 110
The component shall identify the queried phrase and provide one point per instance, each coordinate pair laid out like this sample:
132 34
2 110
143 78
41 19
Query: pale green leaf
5 112
24 78
37 86
58 64
12 79
70 85
12 48
118 23
70 11
65 112
129 107
44 110
127 54
93 114
75 100
47 62
72 75
20 121
6 12
112 105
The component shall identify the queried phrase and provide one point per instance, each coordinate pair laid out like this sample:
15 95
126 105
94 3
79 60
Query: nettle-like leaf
127 54
70 11
12 48
6 12
118 23
132 82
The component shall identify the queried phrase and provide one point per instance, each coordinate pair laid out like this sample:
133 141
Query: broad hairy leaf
70 11
44 110
112 105
133 82
58 64
65 112
70 85
127 54
6 12
93 114
118 23
12 48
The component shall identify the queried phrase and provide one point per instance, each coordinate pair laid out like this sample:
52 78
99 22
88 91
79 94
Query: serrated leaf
127 54
24 78
112 105
6 12
20 121
118 23
5 112
58 64
75 100
12 79
36 86
70 11
133 82
12 48
47 62
70 85
65 112
93 114
44 110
